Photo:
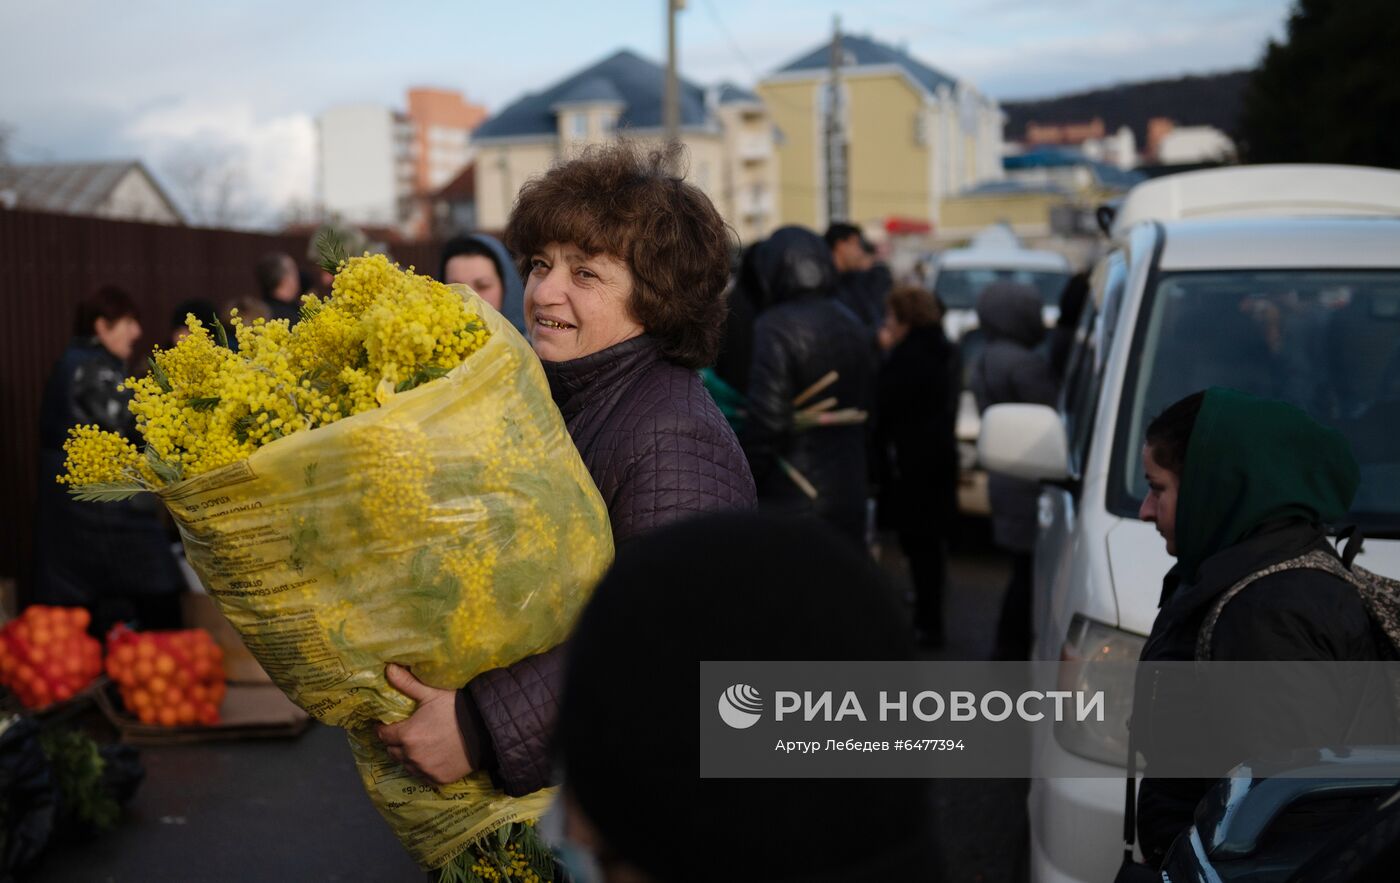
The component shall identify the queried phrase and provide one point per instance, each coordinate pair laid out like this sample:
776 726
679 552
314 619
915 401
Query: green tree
1331 91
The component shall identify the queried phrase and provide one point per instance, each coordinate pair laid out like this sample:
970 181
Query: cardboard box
249 711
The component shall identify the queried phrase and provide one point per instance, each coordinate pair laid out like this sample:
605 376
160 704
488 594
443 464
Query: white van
1283 281
959 276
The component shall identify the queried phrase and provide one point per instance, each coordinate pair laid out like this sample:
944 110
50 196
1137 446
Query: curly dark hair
109 303
618 201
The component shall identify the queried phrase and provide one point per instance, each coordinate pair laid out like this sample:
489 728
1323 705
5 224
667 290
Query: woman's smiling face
577 304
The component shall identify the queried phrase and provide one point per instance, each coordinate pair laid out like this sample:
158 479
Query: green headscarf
1251 461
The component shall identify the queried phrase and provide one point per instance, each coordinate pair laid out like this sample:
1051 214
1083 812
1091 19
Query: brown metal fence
50 262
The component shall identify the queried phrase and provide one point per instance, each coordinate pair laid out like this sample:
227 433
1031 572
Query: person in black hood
112 558
797 593
916 452
1011 370
482 263
803 334
1237 485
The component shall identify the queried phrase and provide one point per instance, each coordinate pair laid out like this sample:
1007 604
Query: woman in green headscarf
1238 484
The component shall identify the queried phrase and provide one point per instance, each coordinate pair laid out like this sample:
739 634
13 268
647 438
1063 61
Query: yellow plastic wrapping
454 529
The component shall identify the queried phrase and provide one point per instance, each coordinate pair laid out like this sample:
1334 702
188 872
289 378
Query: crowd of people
804 384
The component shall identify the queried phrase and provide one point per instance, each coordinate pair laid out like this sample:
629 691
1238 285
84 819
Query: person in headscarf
482 263
1236 485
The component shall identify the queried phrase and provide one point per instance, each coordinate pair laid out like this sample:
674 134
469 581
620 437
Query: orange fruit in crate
167 678
46 655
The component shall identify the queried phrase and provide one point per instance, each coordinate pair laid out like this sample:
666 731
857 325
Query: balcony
752 205
754 148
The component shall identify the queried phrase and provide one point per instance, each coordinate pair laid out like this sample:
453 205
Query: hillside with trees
1330 92
1209 100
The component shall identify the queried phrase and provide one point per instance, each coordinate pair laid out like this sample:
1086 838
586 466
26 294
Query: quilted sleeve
679 465
517 707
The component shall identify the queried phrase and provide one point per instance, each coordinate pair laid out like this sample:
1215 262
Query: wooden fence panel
48 263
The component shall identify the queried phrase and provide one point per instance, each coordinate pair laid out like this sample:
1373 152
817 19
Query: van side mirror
1024 441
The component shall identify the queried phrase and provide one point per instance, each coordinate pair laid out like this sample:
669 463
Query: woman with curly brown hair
625 267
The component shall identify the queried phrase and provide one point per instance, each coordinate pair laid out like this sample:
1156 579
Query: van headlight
1099 658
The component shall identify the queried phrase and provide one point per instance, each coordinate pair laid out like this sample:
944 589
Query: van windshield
1326 341
958 288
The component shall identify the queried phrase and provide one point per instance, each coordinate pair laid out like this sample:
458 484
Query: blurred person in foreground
626 266
916 453
802 335
482 263
112 558
1010 370
738 586
279 283
1237 485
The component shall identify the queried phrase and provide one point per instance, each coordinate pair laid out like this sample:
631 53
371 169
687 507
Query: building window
578 125
608 124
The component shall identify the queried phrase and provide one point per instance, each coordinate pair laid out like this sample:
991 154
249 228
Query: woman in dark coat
803 333
112 558
625 268
916 449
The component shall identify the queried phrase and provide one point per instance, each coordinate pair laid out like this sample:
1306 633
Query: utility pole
671 102
837 205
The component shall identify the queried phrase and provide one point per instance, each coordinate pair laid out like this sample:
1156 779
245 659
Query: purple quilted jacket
659 450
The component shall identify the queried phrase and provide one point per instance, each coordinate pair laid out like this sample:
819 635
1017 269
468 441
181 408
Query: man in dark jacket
1011 370
1238 484
802 335
862 284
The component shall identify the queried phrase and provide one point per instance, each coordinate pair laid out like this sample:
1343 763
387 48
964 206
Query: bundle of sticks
819 414
823 412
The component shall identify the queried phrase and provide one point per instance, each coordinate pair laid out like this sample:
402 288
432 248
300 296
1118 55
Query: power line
733 44
744 59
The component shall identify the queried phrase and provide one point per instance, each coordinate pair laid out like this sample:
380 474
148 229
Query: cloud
273 159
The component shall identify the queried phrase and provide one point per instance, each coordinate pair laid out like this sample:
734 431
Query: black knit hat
729 587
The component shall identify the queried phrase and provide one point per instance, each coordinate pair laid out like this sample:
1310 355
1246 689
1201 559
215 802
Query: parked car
1316 820
959 275
1282 281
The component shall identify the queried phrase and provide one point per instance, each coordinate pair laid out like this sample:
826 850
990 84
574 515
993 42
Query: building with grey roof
726 130
906 136
122 190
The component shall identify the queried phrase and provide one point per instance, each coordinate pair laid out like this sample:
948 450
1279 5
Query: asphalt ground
295 810
981 823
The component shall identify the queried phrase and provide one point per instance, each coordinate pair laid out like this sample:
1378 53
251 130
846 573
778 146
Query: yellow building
913 135
727 133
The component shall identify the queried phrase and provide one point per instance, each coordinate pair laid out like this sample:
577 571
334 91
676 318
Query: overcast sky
243 81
